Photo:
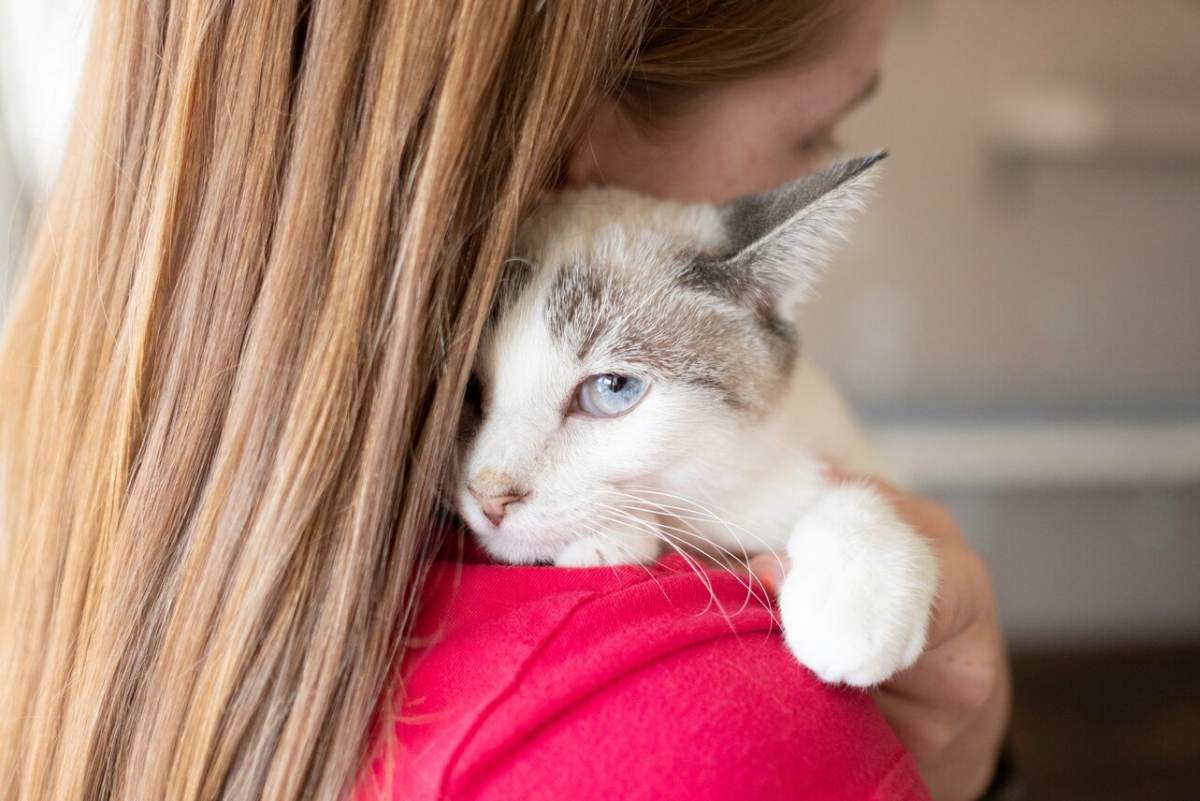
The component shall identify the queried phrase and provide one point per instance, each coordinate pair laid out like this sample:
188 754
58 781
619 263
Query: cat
640 384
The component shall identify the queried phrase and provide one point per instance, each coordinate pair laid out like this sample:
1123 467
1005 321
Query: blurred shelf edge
1043 455
1081 126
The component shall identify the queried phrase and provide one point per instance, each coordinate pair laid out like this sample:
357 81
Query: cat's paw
617 548
856 603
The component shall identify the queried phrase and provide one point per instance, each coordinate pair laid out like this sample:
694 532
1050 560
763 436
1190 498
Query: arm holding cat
951 708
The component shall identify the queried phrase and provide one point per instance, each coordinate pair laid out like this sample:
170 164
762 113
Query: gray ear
779 240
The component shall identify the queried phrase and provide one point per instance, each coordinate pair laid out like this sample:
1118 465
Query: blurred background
1016 318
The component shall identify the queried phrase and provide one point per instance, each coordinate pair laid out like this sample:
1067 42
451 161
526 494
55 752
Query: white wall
42 44
12 219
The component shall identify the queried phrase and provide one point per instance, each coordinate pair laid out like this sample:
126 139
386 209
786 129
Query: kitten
641 385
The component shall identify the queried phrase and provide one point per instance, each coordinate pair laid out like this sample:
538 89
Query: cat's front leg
615 543
856 603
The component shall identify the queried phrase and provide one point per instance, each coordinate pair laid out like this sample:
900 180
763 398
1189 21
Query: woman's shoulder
633 682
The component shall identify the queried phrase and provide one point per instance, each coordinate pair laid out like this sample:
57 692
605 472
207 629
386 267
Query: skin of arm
951 708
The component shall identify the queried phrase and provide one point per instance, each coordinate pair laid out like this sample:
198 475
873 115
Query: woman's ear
607 129
580 169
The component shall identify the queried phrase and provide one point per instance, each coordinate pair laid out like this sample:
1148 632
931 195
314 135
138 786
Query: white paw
856 603
615 548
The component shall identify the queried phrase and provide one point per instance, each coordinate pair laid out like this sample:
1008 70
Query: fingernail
833 473
769 570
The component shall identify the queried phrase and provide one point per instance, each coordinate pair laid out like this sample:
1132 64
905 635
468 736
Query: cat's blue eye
609 394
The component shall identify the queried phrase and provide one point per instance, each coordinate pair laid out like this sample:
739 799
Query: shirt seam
900 763
507 690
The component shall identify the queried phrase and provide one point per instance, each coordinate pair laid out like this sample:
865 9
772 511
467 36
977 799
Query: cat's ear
778 241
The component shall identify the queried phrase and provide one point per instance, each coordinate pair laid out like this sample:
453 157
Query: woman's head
233 373
736 126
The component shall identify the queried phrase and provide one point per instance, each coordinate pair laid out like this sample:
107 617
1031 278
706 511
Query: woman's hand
950 709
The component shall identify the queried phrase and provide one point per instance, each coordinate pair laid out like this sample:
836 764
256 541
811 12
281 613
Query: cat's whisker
696 534
689 535
620 516
666 533
694 506
605 536
666 536
748 580
743 560
675 512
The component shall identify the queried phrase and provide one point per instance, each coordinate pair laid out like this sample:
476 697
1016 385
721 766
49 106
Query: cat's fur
727 443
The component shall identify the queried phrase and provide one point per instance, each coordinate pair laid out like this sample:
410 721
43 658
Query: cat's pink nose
494 506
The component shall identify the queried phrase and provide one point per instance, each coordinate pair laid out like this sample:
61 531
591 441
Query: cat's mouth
520 547
523 535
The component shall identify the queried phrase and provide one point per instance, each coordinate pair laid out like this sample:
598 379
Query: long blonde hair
230 380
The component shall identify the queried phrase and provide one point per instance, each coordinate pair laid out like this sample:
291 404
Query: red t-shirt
552 684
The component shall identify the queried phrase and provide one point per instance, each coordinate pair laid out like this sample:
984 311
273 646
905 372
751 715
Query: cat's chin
515 549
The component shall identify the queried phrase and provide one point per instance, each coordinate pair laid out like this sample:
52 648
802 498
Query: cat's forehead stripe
576 304
651 320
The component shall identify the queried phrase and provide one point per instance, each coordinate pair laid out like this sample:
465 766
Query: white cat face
638 334
564 433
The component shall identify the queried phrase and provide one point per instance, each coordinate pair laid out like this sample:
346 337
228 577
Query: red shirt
622 683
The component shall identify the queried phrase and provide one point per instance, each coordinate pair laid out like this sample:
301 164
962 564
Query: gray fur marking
712 316
752 219
679 334
745 272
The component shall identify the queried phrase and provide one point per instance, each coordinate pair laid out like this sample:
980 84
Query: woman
234 371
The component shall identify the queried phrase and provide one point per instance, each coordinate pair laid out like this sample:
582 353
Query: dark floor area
1103 725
